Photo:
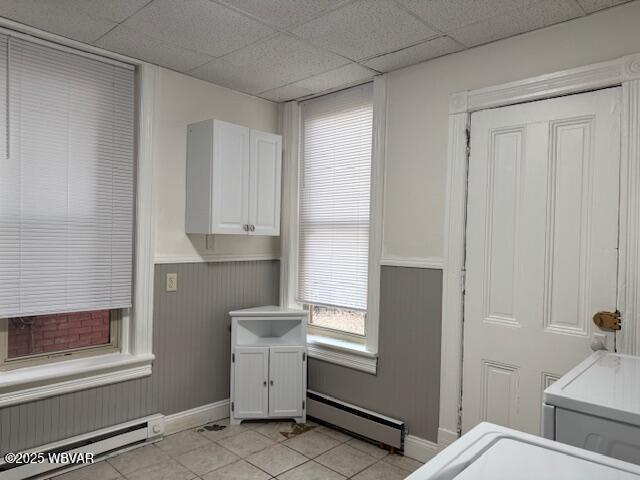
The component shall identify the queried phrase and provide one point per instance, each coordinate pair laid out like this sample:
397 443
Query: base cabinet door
286 382
251 373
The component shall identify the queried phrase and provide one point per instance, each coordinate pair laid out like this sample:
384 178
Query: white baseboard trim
419 448
446 437
436 263
196 416
219 257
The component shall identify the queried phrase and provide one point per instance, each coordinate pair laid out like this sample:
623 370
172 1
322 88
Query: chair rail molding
160 259
625 72
435 263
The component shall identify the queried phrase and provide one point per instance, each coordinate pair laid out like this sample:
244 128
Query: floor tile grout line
273 443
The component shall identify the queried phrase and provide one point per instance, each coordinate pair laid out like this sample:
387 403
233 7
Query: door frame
625 72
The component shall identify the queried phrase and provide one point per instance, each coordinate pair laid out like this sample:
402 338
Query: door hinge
608 320
304 356
233 358
303 403
463 281
467 133
232 406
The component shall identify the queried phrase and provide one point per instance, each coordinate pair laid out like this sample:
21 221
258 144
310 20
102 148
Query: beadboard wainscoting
190 340
407 385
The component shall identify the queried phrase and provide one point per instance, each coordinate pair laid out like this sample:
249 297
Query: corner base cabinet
268 364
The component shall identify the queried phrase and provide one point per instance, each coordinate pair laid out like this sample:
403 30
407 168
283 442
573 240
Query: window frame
6 363
343 348
134 357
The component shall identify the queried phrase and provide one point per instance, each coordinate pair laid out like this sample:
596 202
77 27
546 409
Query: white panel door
264 191
251 373
286 381
231 153
542 238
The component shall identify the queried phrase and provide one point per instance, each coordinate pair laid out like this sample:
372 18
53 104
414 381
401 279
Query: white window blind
66 181
335 188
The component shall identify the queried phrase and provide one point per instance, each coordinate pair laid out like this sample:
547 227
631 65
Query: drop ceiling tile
365 29
285 57
57 17
286 93
537 15
198 25
591 6
340 77
129 42
284 13
447 15
244 79
115 10
416 54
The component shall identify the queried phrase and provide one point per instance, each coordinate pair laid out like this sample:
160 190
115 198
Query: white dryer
596 406
491 452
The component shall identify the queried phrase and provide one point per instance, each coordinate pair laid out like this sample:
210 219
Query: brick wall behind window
53 333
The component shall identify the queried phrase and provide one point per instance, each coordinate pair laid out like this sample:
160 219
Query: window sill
37 382
342 352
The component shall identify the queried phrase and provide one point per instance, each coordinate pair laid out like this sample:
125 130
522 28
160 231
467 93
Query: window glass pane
351 321
56 333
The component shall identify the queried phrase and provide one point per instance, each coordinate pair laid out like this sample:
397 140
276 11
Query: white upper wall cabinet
233 179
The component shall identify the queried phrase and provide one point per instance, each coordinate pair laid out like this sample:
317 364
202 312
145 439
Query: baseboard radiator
353 419
102 443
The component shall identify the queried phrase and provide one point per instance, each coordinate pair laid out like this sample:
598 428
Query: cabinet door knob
271 382
245 227
253 228
264 383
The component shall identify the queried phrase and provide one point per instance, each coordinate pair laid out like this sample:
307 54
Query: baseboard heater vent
353 419
102 443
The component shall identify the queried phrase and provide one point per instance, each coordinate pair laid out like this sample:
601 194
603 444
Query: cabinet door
250 392
229 197
286 380
264 192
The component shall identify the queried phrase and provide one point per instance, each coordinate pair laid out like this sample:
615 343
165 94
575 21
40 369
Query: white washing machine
596 406
491 452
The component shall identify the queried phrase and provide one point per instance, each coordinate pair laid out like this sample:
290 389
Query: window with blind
334 208
66 197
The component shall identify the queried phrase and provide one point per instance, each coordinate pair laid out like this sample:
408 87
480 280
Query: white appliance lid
511 458
491 452
605 384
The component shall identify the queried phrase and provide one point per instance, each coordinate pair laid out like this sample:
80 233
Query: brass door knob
608 320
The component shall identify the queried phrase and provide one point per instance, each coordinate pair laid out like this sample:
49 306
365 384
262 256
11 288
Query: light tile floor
252 451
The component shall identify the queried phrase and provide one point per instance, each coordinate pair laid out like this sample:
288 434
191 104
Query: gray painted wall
407 385
191 343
